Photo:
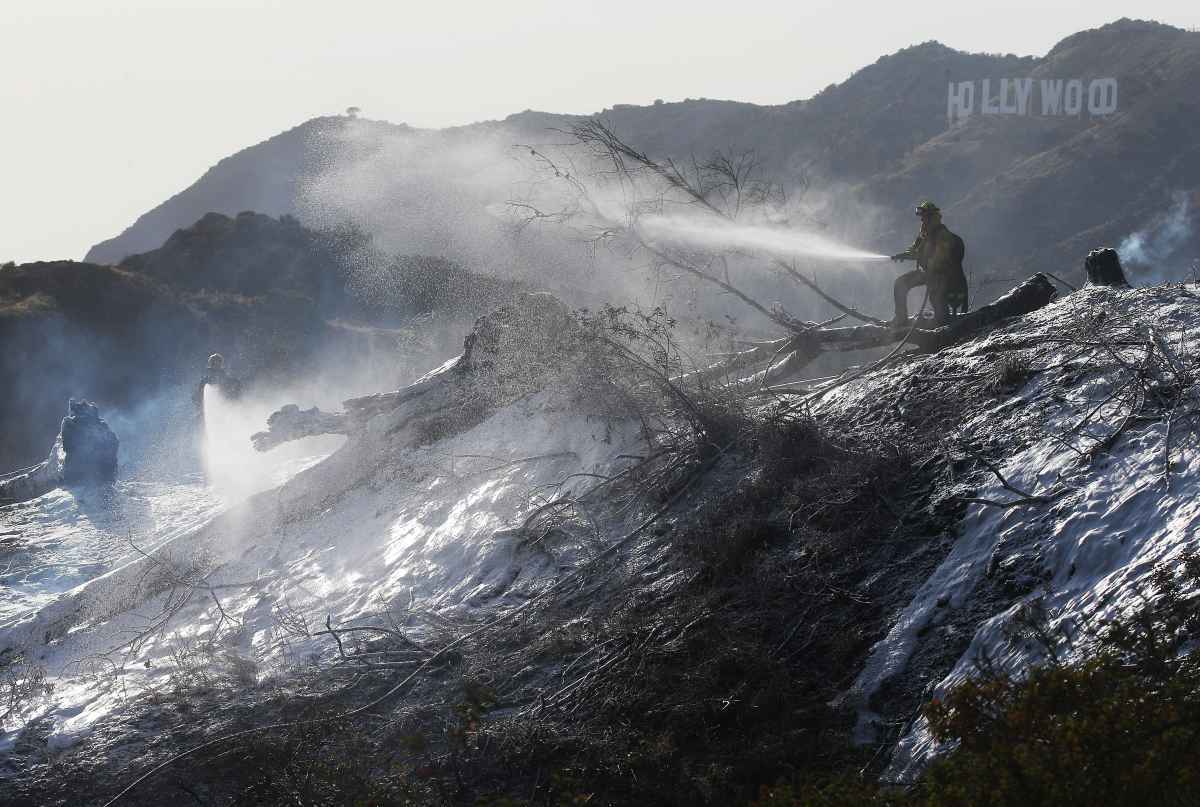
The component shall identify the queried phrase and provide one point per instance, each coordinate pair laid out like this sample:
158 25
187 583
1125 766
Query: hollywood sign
1014 96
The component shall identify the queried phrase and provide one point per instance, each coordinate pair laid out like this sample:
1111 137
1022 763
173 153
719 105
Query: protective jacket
939 255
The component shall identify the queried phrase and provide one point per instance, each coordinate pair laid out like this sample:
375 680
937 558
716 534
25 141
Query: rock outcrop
89 446
85 452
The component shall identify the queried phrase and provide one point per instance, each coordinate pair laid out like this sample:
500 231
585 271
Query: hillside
528 573
560 465
265 178
280 301
1027 192
97 332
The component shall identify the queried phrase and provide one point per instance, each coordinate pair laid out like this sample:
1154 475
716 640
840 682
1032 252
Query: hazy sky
109 111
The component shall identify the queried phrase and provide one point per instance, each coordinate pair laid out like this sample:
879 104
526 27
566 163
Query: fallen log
509 353
293 423
793 354
470 373
1034 293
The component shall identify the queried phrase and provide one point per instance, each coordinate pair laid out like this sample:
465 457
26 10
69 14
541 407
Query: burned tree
1103 268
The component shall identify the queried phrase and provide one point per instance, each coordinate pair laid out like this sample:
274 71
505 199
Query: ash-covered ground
552 570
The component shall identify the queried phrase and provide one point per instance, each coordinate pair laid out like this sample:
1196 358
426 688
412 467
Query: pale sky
109 107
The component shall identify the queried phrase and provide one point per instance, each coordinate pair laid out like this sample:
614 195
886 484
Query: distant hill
1037 193
198 274
102 333
847 133
1026 192
281 301
265 178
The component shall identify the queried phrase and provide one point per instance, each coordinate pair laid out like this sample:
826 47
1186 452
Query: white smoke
1153 252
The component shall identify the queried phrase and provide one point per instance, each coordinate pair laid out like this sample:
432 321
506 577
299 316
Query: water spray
714 233
234 469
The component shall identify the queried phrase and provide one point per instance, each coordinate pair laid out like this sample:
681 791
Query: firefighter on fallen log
939 256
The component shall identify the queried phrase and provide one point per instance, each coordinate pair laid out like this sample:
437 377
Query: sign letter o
1073 97
1102 96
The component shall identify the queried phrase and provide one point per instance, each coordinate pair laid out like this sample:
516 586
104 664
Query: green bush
1120 727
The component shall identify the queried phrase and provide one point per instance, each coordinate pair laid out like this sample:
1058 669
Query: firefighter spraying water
220 425
939 255
217 377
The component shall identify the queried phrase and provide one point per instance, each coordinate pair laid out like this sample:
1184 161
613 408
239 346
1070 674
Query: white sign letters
1015 96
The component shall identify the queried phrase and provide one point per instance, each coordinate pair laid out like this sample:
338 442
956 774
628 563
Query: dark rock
89 445
84 452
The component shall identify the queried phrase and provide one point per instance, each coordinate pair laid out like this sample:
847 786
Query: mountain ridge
708 124
1028 193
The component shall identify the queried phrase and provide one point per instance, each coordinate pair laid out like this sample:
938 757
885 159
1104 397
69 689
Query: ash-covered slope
659 599
411 521
1070 435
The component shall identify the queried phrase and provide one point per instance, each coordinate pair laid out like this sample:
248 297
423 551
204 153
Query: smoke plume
1153 253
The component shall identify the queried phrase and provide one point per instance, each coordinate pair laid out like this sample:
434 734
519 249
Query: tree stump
1103 267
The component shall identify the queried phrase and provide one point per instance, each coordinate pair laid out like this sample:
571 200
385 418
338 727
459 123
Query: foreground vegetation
725 692
732 582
